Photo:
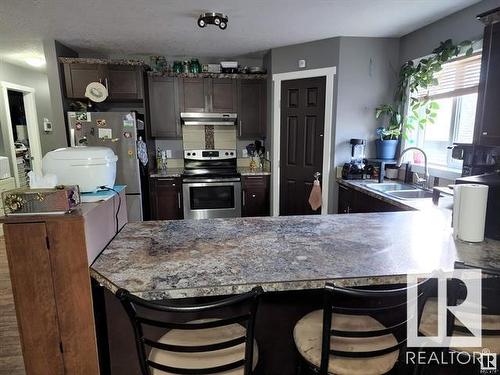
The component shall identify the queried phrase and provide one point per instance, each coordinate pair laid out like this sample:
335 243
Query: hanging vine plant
412 79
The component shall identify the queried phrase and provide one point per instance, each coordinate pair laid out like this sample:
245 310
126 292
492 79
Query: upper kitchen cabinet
222 95
487 127
193 95
124 82
208 95
164 107
252 104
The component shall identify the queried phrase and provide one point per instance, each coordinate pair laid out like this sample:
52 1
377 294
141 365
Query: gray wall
37 80
457 26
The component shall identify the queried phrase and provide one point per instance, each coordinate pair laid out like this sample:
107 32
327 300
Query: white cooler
87 167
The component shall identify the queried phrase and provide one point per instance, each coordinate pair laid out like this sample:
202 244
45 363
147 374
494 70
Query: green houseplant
414 77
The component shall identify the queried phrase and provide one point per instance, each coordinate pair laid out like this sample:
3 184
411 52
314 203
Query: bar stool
490 313
358 332
210 345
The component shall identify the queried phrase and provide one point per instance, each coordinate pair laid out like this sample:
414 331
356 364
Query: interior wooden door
31 276
301 142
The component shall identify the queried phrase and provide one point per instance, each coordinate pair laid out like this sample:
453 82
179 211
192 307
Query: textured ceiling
167 27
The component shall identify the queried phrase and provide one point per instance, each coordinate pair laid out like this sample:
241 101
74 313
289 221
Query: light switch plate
302 63
169 154
244 153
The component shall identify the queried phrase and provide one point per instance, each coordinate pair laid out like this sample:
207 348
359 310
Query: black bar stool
359 331
490 312
210 345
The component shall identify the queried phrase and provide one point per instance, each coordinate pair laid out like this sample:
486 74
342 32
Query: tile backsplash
209 137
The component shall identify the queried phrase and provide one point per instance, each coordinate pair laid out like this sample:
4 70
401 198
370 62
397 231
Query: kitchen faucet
423 182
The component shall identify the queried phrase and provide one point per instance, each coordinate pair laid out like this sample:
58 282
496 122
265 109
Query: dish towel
315 196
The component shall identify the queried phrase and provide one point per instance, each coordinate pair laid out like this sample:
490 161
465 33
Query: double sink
400 191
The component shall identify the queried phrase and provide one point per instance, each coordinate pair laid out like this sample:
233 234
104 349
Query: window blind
458 77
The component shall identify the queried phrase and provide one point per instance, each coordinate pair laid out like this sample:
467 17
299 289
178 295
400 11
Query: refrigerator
119 132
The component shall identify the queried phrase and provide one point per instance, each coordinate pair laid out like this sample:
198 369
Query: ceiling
168 27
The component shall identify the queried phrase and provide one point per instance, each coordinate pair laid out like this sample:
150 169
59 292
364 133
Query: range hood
193 118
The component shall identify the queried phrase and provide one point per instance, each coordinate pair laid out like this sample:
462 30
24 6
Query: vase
386 149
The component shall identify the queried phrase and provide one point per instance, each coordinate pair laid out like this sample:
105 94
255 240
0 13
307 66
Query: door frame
329 73
31 122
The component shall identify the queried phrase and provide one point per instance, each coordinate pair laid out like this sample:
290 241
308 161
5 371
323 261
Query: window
456 95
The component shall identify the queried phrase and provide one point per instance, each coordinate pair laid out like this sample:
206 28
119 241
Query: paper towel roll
469 211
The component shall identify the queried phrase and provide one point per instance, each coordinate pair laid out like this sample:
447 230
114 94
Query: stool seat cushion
204 359
429 323
308 332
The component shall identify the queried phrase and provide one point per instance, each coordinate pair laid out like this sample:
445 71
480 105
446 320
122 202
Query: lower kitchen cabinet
355 201
166 198
255 196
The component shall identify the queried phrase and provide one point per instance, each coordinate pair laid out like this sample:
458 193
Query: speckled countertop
188 258
245 171
92 60
170 172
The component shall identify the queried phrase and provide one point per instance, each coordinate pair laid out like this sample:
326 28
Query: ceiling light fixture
212 18
35 61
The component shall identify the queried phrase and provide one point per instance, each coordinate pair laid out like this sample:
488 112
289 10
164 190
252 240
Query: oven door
211 198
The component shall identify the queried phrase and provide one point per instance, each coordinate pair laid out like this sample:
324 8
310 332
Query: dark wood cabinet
166 198
487 127
252 113
355 201
208 95
164 107
124 82
255 196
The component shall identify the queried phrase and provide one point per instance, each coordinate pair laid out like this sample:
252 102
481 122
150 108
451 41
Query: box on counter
23 201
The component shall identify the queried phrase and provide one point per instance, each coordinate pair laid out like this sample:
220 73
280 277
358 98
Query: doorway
301 142
20 131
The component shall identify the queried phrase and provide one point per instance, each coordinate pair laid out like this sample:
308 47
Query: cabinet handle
254 177
166 179
241 122
179 198
243 198
253 195
106 84
178 127
211 103
206 103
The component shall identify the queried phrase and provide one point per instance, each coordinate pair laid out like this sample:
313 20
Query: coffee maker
477 159
355 169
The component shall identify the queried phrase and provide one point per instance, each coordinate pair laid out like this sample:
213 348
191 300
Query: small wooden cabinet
255 196
487 127
166 198
252 109
208 95
354 201
124 82
164 107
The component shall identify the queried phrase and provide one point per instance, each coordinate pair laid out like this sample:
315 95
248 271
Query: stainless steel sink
411 194
390 186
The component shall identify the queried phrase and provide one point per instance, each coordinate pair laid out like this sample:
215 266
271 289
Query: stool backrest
490 290
140 312
389 305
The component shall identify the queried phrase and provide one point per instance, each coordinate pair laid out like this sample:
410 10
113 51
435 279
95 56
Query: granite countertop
245 171
170 172
93 60
189 258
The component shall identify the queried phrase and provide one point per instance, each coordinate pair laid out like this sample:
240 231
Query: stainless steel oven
211 185
211 197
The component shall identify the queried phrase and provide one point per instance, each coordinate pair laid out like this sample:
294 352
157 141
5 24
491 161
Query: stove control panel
209 154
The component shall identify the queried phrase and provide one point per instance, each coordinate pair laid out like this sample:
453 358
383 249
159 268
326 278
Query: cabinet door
194 95
78 76
168 199
252 114
31 277
124 82
164 107
487 128
222 95
344 206
255 196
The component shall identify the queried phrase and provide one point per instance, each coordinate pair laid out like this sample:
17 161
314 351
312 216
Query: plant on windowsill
414 77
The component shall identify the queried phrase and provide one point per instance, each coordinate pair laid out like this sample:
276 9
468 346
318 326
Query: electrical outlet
169 154
244 153
302 63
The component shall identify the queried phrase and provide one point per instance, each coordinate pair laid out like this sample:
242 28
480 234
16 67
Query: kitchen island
180 259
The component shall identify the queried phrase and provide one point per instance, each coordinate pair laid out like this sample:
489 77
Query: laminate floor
11 359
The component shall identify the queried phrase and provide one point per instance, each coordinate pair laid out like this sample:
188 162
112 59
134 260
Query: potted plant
388 136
